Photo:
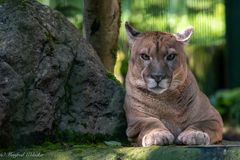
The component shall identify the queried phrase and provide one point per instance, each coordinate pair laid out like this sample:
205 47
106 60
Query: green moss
102 152
50 146
112 77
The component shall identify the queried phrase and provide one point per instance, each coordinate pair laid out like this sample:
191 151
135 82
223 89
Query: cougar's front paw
157 137
193 137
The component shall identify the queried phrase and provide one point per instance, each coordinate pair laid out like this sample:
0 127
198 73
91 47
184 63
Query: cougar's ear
185 35
132 33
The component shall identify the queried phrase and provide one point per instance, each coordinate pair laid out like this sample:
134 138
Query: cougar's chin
157 90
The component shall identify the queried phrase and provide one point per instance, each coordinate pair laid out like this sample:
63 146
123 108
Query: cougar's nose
158 77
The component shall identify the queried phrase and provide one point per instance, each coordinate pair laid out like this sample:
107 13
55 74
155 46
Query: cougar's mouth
158 88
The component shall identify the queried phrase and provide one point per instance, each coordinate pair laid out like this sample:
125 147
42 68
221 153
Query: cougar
163 103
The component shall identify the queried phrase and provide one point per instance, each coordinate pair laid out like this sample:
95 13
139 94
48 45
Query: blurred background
212 52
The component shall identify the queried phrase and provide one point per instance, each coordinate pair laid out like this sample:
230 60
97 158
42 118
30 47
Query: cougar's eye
171 57
145 56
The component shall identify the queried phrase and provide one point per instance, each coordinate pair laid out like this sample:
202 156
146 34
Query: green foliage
170 15
227 103
124 67
206 62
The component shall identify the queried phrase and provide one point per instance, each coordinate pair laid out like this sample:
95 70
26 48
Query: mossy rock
55 86
48 151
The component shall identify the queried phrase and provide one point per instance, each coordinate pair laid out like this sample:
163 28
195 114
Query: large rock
51 80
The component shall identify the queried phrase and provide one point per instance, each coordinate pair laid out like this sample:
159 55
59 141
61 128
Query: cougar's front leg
147 131
202 133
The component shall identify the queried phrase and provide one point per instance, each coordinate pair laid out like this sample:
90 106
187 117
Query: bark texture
101 28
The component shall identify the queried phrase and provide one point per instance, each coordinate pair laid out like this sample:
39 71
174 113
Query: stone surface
51 80
103 152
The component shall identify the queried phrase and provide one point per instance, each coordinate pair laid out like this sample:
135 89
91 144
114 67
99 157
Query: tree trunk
101 28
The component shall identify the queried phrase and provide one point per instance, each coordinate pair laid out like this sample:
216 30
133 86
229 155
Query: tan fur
180 114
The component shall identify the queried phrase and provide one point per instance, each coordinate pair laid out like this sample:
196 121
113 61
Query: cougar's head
157 61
